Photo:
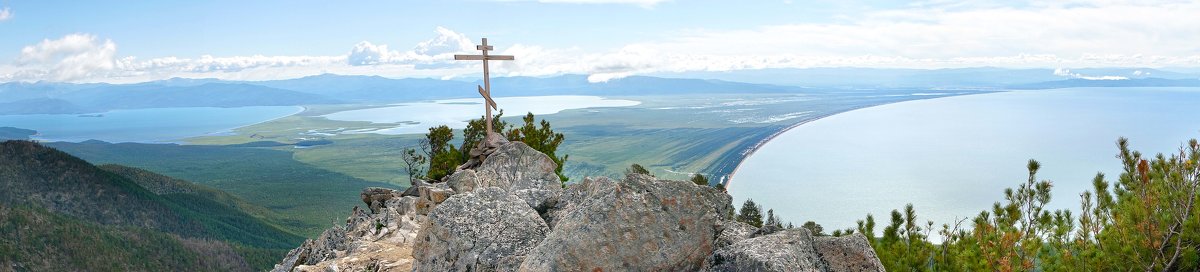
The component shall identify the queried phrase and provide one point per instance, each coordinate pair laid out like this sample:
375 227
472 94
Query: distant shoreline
746 153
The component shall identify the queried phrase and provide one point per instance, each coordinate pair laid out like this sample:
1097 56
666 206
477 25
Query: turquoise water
952 157
144 125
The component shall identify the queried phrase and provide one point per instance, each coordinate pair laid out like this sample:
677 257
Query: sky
137 41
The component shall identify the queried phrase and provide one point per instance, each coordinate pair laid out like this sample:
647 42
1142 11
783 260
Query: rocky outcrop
848 253
482 230
733 232
796 250
517 169
638 224
379 240
789 250
509 212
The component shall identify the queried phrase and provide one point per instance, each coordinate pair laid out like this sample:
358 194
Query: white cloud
5 14
640 3
933 34
71 57
930 35
435 52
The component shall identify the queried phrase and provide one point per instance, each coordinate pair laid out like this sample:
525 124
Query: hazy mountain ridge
884 78
48 97
50 181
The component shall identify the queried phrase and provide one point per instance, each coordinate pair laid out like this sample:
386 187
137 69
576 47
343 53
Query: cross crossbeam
486 89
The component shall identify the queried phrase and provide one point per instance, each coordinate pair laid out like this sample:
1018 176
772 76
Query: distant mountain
630 86
12 133
379 89
45 97
123 199
205 95
58 98
1140 82
373 88
41 105
884 78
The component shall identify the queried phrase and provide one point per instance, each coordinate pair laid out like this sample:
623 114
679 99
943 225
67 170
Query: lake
144 125
953 157
418 117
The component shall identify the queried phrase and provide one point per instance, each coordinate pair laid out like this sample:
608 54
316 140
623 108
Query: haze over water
953 157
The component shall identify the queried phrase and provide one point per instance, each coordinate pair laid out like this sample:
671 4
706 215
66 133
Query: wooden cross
486 89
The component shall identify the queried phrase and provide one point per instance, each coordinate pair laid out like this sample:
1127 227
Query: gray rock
733 232
374 197
483 230
516 168
394 223
578 194
848 253
639 224
490 143
430 195
314 251
412 188
788 250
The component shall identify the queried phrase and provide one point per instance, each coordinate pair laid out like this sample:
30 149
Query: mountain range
66 98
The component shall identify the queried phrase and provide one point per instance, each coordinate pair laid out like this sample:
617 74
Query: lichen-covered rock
733 232
638 224
483 230
577 194
516 168
788 250
848 253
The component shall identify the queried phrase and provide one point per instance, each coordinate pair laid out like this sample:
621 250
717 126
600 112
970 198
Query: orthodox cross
486 89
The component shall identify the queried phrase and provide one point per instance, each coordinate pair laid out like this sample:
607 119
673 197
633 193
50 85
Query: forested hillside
52 199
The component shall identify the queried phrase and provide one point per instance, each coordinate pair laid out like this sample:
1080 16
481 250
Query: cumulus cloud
437 51
68 58
5 14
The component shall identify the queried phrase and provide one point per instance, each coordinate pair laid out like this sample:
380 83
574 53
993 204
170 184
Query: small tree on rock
751 214
699 179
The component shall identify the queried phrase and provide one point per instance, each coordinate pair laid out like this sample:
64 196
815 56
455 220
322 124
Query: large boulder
788 250
848 253
517 169
639 224
733 232
482 230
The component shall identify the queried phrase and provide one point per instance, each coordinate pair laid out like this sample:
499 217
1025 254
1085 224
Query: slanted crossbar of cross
486 89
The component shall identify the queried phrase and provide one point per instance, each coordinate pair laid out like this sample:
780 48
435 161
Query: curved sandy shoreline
754 148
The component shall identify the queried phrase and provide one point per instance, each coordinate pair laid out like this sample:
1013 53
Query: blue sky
130 41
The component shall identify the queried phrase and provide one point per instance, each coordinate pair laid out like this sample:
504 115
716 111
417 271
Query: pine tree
699 179
750 214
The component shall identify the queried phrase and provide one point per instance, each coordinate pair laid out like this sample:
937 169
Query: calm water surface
952 157
418 117
144 125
